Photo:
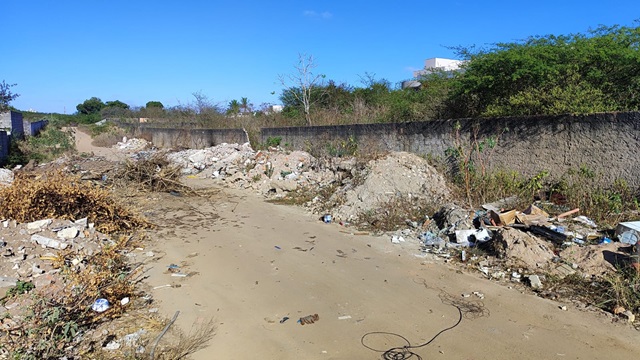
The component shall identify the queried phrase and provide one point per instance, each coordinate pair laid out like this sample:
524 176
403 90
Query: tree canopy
90 106
154 104
596 71
6 96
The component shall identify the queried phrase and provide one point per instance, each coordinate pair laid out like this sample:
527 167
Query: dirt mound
522 248
596 259
398 175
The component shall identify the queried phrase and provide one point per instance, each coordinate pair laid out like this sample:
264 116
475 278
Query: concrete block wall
4 147
34 128
606 143
17 128
187 138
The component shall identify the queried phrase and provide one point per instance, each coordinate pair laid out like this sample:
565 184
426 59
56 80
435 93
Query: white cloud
315 14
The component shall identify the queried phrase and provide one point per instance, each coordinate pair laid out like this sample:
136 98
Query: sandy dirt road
83 145
257 262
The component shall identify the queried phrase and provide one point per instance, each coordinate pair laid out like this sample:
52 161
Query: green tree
234 107
6 96
154 104
601 65
90 106
117 104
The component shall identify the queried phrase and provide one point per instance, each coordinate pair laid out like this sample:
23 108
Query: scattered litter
309 319
179 275
629 315
570 212
124 301
344 317
100 305
284 319
585 220
628 232
326 219
277 247
396 239
162 286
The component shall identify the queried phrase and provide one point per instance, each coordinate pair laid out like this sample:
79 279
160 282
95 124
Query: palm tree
244 105
234 107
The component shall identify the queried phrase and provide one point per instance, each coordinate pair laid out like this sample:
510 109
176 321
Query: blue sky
63 52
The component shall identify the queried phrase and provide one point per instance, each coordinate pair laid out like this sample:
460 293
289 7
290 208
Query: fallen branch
166 328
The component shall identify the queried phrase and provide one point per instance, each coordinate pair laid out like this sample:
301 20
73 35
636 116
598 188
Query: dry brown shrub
62 196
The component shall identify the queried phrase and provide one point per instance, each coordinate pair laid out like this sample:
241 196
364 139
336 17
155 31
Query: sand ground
257 262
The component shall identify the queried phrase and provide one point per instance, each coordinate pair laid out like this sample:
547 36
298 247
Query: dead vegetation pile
154 173
58 195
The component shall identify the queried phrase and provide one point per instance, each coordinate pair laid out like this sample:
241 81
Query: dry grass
184 345
109 138
58 195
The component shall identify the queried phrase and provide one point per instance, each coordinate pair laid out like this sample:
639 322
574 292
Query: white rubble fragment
6 177
68 233
39 224
48 242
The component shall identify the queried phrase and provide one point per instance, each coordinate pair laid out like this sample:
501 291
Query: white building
438 64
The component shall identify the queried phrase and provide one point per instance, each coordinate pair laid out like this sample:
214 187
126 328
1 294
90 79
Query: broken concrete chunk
48 242
38 225
535 281
68 233
81 224
6 177
6 282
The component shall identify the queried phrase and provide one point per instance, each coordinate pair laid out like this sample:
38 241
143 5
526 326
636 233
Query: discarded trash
100 305
570 212
284 319
124 301
463 256
629 315
309 319
628 232
326 219
179 275
277 247
585 220
504 218
344 317
397 239
465 237
605 240
555 236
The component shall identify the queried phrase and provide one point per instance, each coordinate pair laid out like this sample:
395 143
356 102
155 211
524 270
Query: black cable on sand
468 309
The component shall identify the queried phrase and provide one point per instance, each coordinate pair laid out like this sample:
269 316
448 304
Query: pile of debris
357 188
132 145
31 250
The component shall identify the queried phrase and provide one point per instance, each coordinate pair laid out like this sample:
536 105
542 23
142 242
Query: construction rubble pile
276 173
29 249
